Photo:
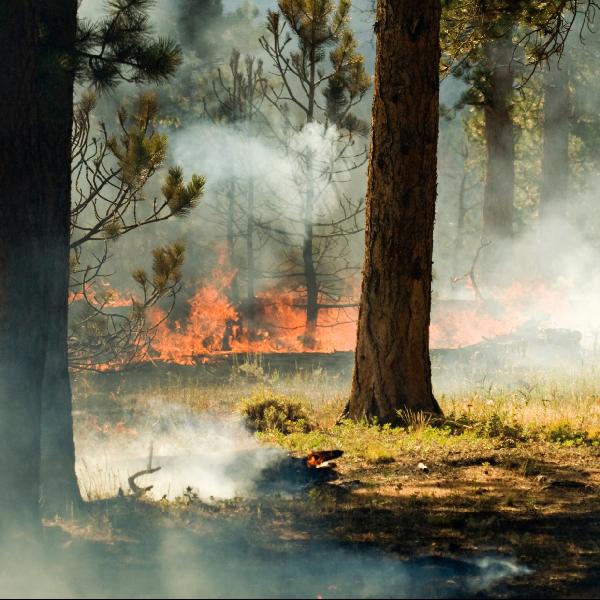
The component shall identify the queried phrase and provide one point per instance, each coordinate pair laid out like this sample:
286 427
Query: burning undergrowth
208 325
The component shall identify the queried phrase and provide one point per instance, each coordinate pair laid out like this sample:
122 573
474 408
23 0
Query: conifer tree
110 174
50 51
321 79
392 372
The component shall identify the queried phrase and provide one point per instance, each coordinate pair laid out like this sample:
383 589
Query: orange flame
457 323
213 325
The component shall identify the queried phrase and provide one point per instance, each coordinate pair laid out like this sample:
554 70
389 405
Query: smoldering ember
299 299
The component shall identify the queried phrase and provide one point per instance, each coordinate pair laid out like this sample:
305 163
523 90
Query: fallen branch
137 490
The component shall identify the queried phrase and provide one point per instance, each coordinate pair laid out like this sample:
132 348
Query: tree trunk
233 292
60 492
22 331
250 266
37 39
310 271
392 367
555 160
308 259
459 240
498 198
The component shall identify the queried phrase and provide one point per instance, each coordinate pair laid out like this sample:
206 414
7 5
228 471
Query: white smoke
215 456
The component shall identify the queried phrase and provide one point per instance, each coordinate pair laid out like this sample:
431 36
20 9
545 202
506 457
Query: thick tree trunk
37 39
555 160
22 300
392 367
498 199
60 493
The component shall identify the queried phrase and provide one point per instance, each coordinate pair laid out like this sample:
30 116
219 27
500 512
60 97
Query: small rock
423 467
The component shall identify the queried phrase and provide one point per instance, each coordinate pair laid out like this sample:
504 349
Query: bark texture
392 367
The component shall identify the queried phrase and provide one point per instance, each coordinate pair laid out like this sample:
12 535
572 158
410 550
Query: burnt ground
374 526
536 504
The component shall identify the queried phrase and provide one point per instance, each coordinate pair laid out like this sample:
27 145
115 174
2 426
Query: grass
559 408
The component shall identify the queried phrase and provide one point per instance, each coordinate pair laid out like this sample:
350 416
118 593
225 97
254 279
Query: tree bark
37 38
392 366
498 198
60 492
555 159
308 259
310 271
22 331
460 222
233 292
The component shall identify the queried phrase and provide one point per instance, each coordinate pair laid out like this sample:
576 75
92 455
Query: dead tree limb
137 490
470 274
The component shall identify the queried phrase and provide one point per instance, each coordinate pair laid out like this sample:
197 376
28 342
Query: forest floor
512 473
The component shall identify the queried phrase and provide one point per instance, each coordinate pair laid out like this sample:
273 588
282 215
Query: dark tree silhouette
37 105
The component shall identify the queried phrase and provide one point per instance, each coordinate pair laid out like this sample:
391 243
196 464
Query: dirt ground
537 505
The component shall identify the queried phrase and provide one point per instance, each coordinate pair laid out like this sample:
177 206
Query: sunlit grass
552 407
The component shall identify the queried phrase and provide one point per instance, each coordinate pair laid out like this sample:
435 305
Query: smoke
216 457
546 278
224 562
223 152
194 553
199 554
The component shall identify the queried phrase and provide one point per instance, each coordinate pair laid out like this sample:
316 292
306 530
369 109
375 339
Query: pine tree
50 51
110 175
321 79
237 99
39 183
497 47
392 368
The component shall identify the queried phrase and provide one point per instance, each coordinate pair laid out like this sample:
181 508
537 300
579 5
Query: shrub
564 433
267 411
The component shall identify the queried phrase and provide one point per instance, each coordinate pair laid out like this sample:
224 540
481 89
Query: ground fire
314 460
209 325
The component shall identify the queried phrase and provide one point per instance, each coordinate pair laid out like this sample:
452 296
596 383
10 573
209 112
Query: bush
267 411
567 435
